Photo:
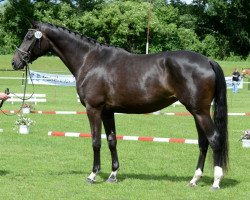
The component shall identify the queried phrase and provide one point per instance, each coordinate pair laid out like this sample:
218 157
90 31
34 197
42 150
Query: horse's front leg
109 125
94 116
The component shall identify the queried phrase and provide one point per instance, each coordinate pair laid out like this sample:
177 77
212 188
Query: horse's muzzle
17 65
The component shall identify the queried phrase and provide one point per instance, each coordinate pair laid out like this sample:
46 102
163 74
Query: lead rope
27 72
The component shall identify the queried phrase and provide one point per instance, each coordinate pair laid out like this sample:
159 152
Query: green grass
42 167
37 166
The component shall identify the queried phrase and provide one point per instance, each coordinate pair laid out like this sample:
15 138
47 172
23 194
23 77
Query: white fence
35 98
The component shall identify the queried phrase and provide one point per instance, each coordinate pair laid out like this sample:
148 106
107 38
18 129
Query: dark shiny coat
110 80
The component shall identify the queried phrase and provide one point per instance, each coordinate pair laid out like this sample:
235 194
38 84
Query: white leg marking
218 174
112 178
92 176
113 173
196 177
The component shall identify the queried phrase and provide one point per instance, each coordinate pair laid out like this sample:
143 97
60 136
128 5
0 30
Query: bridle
25 55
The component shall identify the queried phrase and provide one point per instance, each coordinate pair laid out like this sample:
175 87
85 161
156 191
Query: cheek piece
25 55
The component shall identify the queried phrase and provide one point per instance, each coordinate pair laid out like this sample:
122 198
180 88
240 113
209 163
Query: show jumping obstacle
48 112
122 137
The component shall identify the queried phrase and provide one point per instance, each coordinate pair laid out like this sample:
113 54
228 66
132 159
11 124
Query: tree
215 28
15 21
228 21
59 14
121 24
88 5
16 16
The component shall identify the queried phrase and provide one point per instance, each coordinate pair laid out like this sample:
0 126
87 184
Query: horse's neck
69 48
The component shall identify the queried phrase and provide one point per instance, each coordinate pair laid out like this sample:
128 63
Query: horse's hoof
111 180
192 185
214 188
90 181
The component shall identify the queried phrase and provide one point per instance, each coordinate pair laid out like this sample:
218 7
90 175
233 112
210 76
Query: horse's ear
33 23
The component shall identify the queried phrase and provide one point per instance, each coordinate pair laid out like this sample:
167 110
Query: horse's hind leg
205 124
109 125
203 146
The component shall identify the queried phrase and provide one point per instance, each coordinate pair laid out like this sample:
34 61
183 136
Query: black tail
220 111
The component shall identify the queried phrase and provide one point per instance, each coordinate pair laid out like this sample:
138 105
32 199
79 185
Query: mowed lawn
37 166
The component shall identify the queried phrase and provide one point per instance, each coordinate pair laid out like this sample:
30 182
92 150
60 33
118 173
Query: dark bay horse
110 79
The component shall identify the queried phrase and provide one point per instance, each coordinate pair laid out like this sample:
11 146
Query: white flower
23 120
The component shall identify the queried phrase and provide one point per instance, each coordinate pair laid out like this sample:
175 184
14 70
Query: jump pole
84 113
122 137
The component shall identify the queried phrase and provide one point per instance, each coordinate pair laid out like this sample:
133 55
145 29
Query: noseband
25 55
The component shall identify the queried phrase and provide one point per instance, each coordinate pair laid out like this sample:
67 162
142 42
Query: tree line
216 28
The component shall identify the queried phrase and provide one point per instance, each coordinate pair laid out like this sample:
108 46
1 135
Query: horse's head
34 45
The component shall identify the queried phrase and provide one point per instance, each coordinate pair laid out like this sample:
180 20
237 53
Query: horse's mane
71 32
78 35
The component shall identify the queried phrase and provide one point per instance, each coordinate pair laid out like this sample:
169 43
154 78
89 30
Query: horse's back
145 83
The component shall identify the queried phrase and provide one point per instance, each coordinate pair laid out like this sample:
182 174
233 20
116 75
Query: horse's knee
96 144
112 141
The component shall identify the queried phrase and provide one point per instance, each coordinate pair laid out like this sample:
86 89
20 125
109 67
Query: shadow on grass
4 172
205 180
72 172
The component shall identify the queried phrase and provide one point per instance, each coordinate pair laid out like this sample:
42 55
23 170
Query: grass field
37 166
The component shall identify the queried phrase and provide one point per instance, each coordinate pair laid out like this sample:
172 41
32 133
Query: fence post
248 83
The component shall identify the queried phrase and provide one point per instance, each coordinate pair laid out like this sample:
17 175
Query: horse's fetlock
115 166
